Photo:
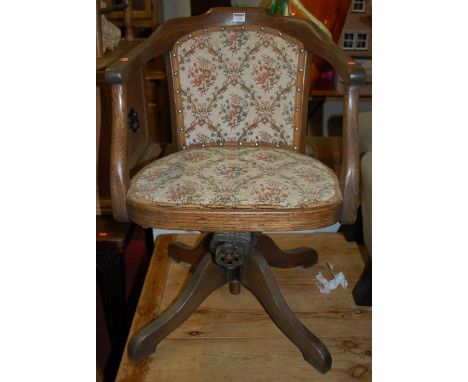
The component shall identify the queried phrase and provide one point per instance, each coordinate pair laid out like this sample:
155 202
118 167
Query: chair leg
206 279
276 257
256 276
190 255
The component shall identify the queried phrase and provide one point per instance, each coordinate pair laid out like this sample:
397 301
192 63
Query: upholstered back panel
238 85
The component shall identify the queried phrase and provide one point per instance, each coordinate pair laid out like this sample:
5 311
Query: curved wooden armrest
349 182
163 38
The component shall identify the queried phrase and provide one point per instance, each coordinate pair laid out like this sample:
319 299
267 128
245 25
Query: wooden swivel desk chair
238 89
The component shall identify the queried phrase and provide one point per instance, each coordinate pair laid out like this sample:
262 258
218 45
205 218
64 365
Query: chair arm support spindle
119 175
349 182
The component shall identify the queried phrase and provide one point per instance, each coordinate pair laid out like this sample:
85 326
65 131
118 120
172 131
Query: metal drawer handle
133 122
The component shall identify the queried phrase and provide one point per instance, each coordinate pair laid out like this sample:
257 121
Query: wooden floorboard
230 337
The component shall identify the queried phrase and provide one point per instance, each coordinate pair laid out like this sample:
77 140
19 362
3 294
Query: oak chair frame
241 255
160 43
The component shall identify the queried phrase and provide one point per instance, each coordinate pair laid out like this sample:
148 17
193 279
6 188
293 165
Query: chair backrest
238 85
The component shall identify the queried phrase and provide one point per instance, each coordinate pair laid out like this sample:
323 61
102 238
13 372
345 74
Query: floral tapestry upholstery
238 84
235 177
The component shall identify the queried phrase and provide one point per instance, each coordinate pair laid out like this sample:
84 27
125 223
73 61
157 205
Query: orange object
332 13
124 59
102 234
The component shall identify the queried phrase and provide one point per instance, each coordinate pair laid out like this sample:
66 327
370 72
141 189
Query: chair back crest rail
297 38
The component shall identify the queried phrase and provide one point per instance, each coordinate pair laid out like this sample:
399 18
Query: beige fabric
238 85
235 177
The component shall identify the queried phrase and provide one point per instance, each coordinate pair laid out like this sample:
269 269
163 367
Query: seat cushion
235 177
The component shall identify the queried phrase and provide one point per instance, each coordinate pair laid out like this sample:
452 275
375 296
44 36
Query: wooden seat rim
219 220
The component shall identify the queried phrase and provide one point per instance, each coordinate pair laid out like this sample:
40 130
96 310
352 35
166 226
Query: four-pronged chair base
235 258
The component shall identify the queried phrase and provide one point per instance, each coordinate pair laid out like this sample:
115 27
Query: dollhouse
356 36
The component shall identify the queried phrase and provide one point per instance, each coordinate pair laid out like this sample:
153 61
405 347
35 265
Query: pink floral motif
235 111
269 193
266 73
202 74
181 193
234 73
236 40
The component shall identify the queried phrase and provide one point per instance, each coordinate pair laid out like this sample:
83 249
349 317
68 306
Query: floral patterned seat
235 177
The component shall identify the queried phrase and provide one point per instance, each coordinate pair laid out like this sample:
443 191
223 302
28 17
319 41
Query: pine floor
231 338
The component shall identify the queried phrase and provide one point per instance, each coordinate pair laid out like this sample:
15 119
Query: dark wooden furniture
123 106
112 239
144 14
126 9
235 251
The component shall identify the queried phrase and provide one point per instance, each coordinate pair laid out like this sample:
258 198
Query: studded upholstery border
238 84
235 177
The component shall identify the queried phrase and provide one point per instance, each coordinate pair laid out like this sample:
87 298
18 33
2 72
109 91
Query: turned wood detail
232 258
230 248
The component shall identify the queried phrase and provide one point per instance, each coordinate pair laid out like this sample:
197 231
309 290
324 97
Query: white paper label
238 17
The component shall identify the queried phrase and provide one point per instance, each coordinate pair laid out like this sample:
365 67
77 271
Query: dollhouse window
358 6
361 41
355 40
348 41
